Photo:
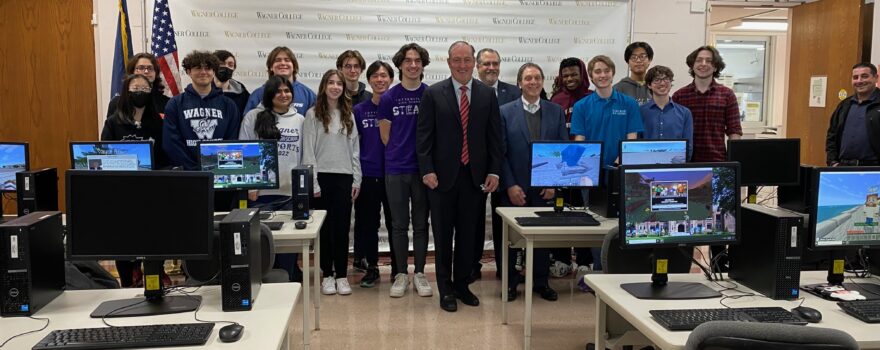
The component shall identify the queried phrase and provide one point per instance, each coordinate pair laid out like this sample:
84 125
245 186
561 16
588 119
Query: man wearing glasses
638 56
352 64
663 118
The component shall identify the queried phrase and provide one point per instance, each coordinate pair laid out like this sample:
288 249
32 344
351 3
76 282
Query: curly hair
717 61
201 58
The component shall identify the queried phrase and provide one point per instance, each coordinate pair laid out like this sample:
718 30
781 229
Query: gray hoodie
633 89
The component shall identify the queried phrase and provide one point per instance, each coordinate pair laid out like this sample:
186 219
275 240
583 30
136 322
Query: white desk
623 319
541 237
265 327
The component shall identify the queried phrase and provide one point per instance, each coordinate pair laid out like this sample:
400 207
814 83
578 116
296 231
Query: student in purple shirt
398 117
372 198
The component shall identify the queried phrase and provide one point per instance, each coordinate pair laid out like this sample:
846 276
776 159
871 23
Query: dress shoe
475 275
448 303
467 297
511 294
546 293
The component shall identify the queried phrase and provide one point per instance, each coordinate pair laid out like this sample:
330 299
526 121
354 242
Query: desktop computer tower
768 258
605 199
241 272
302 191
31 263
37 190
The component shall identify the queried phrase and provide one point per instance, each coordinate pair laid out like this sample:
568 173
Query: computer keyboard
564 214
274 225
557 221
263 216
688 319
867 311
128 337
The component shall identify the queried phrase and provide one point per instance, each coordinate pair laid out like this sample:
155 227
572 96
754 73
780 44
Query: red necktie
464 108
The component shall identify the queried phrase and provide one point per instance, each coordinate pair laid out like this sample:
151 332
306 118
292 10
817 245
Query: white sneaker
422 286
342 286
581 271
328 286
560 269
398 289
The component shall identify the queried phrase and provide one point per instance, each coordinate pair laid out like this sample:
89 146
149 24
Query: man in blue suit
523 121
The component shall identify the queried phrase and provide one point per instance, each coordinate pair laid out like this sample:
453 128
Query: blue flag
122 53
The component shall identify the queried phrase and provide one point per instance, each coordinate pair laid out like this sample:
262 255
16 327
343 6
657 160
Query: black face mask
224 74
139 99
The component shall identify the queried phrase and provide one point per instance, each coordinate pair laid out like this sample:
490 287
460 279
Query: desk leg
530 282
601 322
307 331
504 273
317 247
285 345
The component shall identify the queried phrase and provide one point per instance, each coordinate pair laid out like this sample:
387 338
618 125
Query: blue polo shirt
607 120
674 121
303 98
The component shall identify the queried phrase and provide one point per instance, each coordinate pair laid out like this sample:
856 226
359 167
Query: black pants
125 269
366 221
336 200
495 202
453 218
584 255
541 260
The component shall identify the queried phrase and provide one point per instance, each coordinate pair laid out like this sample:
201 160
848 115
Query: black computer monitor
564 164
767 162
149 215
112 155
644 151
13 158
678 205
241 165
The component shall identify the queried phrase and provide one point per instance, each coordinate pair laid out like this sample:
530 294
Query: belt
857 162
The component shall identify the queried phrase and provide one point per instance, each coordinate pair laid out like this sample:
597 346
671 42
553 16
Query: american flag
165 47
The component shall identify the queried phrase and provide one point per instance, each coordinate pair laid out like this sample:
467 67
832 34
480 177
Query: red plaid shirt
716 114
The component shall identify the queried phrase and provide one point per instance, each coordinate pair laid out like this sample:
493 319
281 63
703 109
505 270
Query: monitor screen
635 152
846 210
115 155
139 214
565 163
767 162
13 158
682 204
241 165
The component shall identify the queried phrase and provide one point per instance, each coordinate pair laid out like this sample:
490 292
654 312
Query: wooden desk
622 319
541 237
265 327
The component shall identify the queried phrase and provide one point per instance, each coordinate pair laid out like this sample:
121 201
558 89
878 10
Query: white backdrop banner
539 31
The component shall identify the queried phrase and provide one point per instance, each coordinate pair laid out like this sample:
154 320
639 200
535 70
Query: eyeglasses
139 89
641 57
145 69
351 67
663 80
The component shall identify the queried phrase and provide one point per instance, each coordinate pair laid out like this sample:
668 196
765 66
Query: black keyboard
865 310
128 337
263 216
557 221
688 319
564 214
274 225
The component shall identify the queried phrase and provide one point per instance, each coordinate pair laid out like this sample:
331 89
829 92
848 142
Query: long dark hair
158 87
124 107
266 125
322 106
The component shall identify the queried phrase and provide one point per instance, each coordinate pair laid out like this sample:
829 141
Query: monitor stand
661 289
559 208
153 302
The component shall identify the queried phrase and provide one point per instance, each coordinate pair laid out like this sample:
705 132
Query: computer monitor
767 162
241 165
149 215
13 158
112 155
570 164
678 205
643 151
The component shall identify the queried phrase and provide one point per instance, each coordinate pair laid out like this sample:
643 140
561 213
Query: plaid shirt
716 114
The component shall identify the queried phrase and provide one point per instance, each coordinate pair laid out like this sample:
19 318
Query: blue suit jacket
507 93
516 170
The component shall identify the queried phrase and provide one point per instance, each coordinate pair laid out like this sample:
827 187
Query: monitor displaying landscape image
566 164
112 155
13 158
241 164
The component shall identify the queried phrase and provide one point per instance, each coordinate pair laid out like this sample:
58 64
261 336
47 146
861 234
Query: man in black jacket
854 133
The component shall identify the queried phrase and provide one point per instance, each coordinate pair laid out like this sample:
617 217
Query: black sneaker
360 264
370 278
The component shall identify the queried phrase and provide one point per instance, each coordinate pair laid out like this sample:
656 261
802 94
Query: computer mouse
299 225
807 313
231 333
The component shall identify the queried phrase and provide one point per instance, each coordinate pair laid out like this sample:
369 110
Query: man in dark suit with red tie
458 145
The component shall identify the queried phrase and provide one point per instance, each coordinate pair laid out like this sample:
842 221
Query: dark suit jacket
507 93
516 169
439 134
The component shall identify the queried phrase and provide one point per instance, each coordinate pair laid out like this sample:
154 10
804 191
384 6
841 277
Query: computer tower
37 190
31 263
301 177
768 258
240 260
797 197
605 199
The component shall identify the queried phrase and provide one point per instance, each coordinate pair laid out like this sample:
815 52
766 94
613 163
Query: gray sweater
333 151
633 89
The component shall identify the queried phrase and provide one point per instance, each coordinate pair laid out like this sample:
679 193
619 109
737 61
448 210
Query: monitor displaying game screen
117 155
241 165
847 210
691 204
634 152
13 158
566 164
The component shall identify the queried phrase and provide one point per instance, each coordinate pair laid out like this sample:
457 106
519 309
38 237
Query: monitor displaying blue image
565 164
241 165
635 152
112 155
847 211
13 158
